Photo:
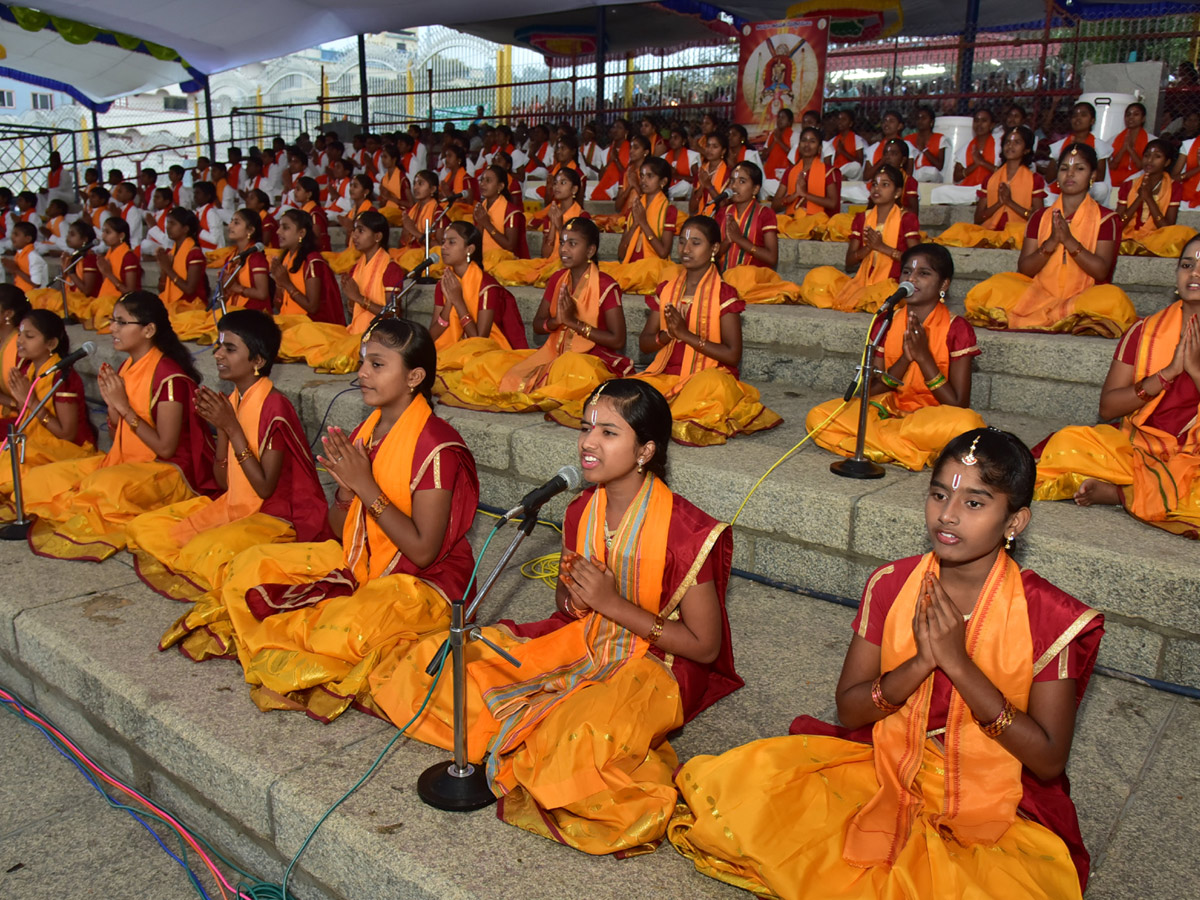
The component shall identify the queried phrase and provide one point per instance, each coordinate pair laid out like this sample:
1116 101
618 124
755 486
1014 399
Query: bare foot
1094 492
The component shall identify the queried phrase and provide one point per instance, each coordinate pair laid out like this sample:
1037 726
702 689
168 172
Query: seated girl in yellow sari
630 189
582 315
810 193
307 193
1013 193
958 698
422 213
265 469
694 331
923 398
878 239
499 217
331 346
566 198
61 429
1149 206
182 280
311 621
13 307
472 311
1062 278
1150 462
362 199
395 194
82 279
576 738
161 452
650 228
120 272
712 175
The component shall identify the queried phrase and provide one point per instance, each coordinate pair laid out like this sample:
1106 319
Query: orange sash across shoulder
172 293
368 275
288 306
369 552
815 184
497 212
703 316
1021 186
656 215
8 358
1162 199
983 780
527 374
472 282
1061 278
573 211
915 394
138 376
877 266
240 499
116 260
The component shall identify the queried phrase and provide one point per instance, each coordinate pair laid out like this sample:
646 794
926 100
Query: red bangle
1140 391
1166 384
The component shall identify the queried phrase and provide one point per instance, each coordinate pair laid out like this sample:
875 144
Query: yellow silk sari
828 287
41 445
1146 238
708 404
989 233
805 221
908 426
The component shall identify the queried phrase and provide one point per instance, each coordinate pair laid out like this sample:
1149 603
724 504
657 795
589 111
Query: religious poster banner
781 66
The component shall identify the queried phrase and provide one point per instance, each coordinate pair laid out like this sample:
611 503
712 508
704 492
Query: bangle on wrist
375 510
936 381
656 630
243 455
1165 382
1141 392
1001 723
881 702
888 380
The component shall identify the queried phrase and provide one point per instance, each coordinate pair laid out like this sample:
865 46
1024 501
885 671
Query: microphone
903 292
86 349
722 198
79 254
569 478
419 270
257 248
461 195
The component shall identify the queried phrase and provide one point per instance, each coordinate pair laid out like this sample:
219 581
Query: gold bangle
700 346
936 381
375 510
133 421
587 331
880 701
1001 723
657 630
244 455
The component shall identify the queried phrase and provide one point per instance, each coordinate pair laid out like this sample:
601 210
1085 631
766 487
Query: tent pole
601 39
212 140
362 79
96 137
966 56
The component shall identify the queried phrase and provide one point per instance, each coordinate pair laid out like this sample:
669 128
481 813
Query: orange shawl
815 184
552 234
844 147
497 211
139 383
392 181
21 278
914 394
116 259
981 176
8 360
529 374
288 306
172 294
877 267
1162 198
471 282
719 177
369 552
1061 279
656 215
240 499
1021 186
368 275
982 779
423 212
703 317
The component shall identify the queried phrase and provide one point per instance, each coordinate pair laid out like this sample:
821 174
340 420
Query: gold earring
714 256
941 295
468 257
1008 542
641 466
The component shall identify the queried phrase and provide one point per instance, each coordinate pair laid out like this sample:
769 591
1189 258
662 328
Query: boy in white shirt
26 269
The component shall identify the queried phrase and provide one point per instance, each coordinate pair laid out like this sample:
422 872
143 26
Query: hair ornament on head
971 459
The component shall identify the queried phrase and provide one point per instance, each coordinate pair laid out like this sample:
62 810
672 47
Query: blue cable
328 410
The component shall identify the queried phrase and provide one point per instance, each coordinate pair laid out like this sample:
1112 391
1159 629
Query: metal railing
26 149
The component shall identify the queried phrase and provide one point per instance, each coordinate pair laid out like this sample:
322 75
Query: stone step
808 527
1053 376
78 642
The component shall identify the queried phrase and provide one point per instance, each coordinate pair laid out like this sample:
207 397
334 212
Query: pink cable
24 710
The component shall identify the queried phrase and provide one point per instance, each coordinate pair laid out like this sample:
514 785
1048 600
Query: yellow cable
862 366
541 568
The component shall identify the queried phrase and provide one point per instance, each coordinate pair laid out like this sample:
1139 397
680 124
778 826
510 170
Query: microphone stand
61 281
858 466
459 786
218 301
18 529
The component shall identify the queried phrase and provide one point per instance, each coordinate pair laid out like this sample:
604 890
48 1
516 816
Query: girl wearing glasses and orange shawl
958 698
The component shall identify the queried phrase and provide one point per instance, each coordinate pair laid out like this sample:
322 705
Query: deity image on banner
781 67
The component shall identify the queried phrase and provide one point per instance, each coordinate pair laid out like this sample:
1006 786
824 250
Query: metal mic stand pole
459 786
18 529
858 466
222 286
67 317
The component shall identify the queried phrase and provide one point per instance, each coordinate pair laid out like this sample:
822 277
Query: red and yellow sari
51 298
308 641
555 378
1154 455
1003 229
708 403
577 735
41 445
84 505
1141 235
641 268
185 255
708 196
200 325
828 287
332 346
182 551
123 260
923 804
803 221
908 426
1062 297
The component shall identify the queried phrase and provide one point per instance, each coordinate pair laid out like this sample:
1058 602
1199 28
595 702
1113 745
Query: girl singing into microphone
923 398
576 738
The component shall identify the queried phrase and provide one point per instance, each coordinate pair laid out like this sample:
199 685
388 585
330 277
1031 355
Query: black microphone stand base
857 468
15 531
70 319
440 788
